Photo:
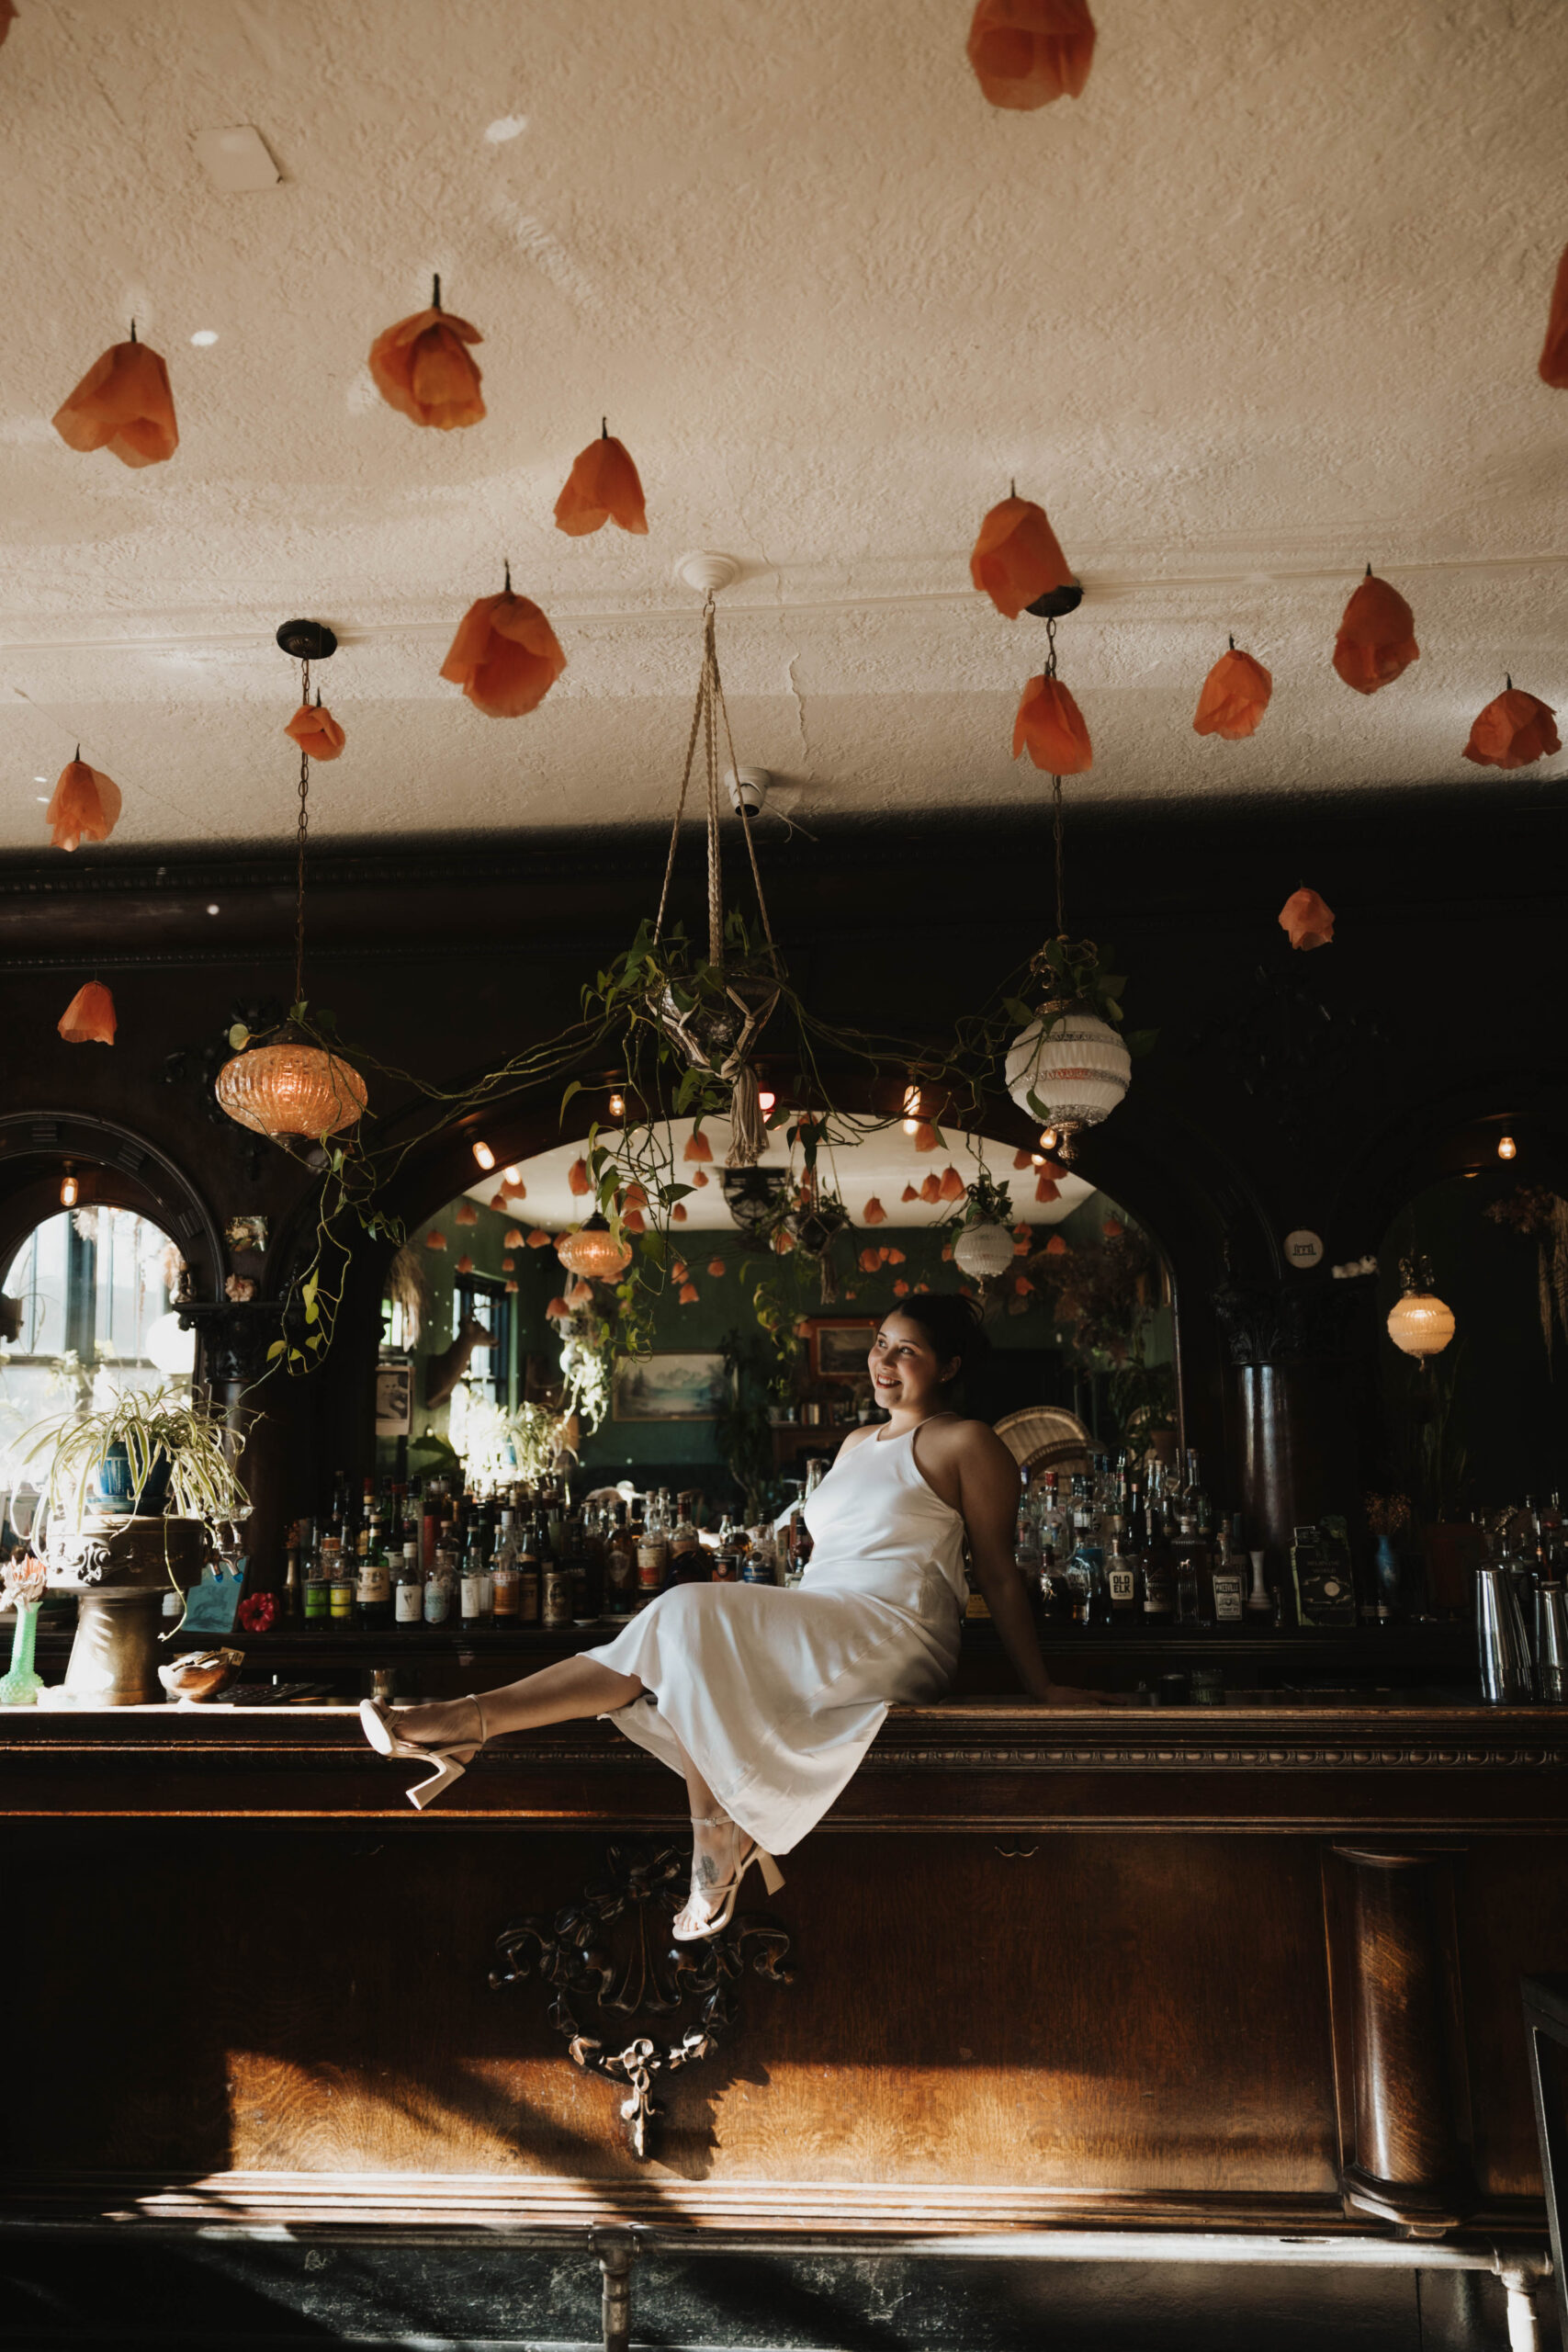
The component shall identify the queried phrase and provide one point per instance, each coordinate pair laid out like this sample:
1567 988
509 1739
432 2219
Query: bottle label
1227 1597
317 1605
437 1602
1121 1586
557 1596
528 1598
651 1561
341 1602
473 1598
375 1589
505 1588
409 1603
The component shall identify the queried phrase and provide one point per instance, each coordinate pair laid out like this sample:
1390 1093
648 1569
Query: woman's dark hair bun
951 1322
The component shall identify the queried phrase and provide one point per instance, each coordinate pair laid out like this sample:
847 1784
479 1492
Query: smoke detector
748 788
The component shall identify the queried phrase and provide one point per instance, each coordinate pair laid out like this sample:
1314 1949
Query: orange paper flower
316 732
465 1265
505 655
1021 1285
716 1266
1050 727
699 1178
873 1213
908 1193
507 1264
468 1212
931 1187
1112 1229
1377 636
603 487
85 806
512 1237
677 1270
556 1310
1055 1247
894 1256
1234 697
952 1184
688 1295
926 1136
88 1019
578 1180
511 1290
123 404
538 1238
900 1289
1026 52
1016 556
678 1214
1554 351
783 1242
869 1262
1020 1158
634 1197
1046 1189
435 1241
635 1222
697 1147
1513 730
1305 920
422 369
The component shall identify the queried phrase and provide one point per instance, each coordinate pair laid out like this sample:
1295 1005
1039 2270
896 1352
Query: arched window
87 1302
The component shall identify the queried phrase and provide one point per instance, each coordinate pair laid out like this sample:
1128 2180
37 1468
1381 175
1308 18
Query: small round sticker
1304 1249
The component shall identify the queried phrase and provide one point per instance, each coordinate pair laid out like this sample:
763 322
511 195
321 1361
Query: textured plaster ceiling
877 1166
1265 303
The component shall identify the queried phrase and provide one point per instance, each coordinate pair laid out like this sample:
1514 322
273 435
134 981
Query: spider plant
157 1429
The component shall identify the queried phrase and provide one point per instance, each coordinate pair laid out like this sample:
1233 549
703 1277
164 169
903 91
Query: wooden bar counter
1247 1967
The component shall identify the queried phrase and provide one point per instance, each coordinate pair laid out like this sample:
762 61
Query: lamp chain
303 830
1057 797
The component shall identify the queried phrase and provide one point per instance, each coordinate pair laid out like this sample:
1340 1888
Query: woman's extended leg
718 1848
556 1694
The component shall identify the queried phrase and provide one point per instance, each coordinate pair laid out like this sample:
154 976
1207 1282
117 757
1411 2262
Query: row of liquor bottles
1143 1549
409 1556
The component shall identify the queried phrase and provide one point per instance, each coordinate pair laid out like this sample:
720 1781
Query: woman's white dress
775 1693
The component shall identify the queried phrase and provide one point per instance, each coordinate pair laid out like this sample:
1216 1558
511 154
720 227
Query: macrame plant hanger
719 1036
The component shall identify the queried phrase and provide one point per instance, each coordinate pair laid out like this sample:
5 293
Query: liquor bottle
555 1594
1228 1582
344 1570
474 1588
314 1598
1084 1578
1054 1539
370 1511
1160 1582
504 1581
761 1564
439 1587
291 1602
373 1583
652 1552
1193 1507
1122 1579
527 1580
407 1593
620 1568
688 1565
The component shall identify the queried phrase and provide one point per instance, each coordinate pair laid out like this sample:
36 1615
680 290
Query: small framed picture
246 1234
394 1399
676 1386
840 1345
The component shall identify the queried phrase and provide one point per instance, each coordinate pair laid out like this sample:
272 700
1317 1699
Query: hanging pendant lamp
594 1252
290 1087
1419 1323
983 1252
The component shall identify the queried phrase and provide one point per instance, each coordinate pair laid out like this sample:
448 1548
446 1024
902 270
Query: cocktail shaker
1551 1644
1505 1650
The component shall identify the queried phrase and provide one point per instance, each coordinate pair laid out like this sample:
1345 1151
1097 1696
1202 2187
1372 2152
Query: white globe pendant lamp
1073 1065
983 1252
1419 1323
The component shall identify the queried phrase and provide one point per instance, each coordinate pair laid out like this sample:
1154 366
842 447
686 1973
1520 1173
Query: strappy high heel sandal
381 1729
772 1879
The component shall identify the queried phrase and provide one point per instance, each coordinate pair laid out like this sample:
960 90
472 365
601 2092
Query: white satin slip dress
774 1693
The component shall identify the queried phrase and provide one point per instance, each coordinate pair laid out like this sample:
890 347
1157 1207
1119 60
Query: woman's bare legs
556 1694
719 1846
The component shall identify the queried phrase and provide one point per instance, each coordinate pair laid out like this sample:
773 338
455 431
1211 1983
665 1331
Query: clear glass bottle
503 1577
1122 1579
653 1550
407 1593
475 1591
1026 1539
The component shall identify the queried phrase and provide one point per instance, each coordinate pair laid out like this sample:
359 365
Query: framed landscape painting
676 1386
840 1344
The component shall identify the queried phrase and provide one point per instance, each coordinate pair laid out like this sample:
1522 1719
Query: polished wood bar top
1329 1765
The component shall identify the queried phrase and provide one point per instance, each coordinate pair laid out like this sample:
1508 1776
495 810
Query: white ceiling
877 1166
1264 303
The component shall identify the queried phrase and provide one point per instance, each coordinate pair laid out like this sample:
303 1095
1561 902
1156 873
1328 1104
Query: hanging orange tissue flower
952 1184
123 404
894 1256
88 1019
539 1240
511 1290
1305 921
869 1262
423 370
688 1295
1020 1158
1026 52
465 1265
468 1212
603 487
716 1266
931 1187
1055 1247
1554 351
85 806
782 1242
435 1241
635 1222
699 1178
1022 1285
873 1213
678 1214
507 1264
908 1193
1021 1249
1050 727
1513 730
926 1136
1016 556
1234 697
1047 1188
900 1289
498 1200
1377 636
634 1197
505 655
512 1237
697 1147
556 1310
577 1179
316 732
1112 1229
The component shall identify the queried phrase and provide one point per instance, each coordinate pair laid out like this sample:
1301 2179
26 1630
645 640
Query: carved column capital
233 1337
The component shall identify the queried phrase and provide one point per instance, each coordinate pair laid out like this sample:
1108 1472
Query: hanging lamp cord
707 712
303 832
1056 800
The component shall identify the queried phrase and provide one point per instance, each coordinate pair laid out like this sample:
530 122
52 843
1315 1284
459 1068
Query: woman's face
906 1372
